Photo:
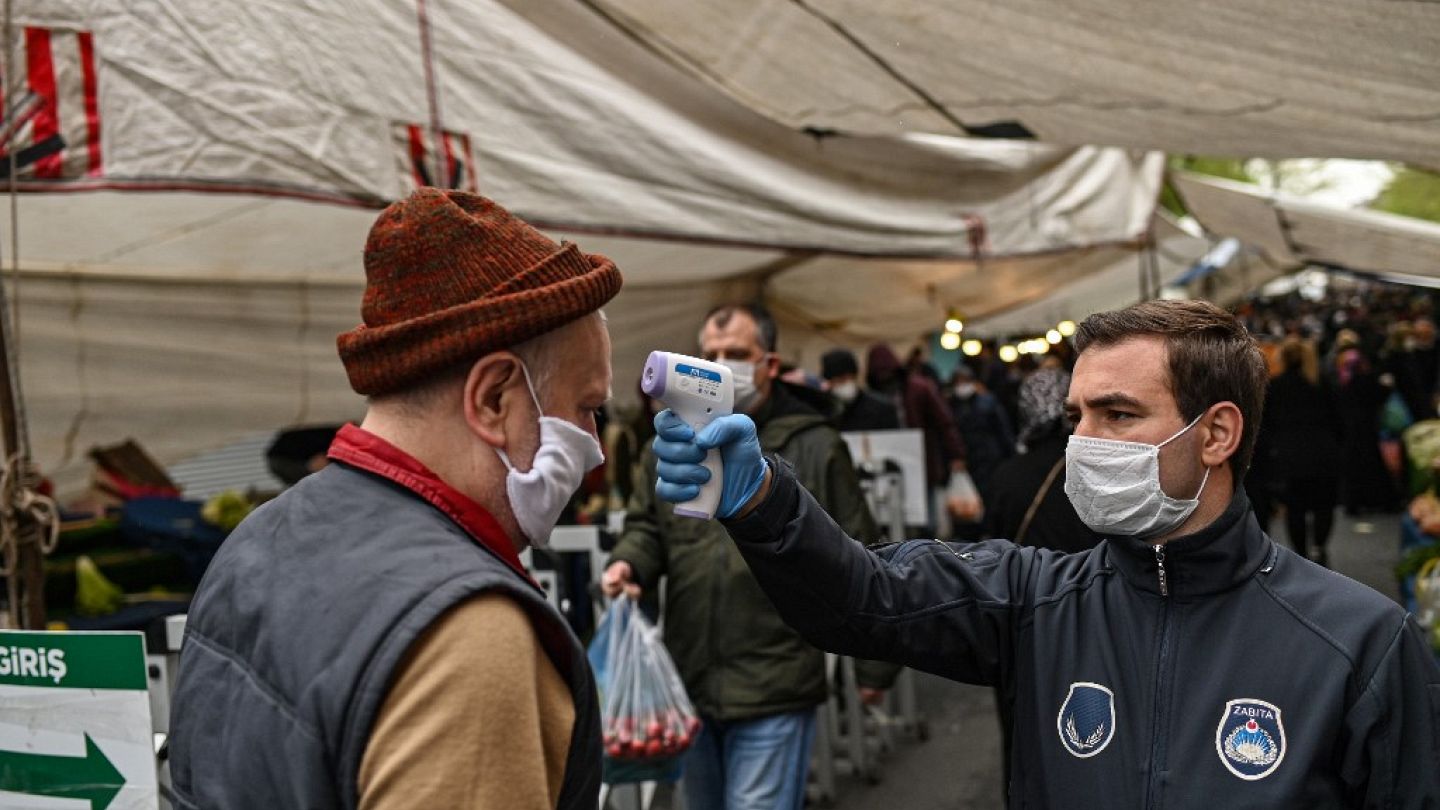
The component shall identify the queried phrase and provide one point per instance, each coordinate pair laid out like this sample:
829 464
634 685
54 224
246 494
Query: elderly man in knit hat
369 639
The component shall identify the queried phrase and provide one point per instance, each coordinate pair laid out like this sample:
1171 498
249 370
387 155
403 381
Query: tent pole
21 529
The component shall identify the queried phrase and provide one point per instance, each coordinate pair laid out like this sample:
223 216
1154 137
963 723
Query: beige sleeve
477 717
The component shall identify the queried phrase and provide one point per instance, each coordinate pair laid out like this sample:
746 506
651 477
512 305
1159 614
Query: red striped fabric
472 183
449 179
42 82
92 103
417 155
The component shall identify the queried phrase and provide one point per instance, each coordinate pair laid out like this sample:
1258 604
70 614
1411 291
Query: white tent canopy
1121 282
1298 78
542 105
186 318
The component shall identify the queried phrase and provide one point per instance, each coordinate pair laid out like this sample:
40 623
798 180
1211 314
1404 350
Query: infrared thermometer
698 391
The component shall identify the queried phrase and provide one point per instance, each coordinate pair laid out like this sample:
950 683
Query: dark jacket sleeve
1392 758
944 608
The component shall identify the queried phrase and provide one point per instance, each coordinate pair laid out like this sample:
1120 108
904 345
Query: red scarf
364 450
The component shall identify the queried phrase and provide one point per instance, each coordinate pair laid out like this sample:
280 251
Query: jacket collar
1213 559
363 450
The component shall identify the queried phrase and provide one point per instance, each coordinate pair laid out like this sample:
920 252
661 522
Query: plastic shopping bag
962 499
645 715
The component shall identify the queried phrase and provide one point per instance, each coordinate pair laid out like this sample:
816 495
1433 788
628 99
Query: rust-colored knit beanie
451 276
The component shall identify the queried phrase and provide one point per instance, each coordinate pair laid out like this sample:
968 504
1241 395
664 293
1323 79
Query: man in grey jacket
1187 661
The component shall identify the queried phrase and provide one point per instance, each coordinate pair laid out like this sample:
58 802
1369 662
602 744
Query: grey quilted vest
299 625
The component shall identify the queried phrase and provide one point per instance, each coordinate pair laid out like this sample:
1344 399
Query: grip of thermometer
703 506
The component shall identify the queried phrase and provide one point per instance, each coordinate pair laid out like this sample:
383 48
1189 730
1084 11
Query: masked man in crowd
369 639
754 681
1187 661
858 409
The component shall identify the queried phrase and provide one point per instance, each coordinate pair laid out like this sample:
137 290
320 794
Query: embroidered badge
1086 721
1250 738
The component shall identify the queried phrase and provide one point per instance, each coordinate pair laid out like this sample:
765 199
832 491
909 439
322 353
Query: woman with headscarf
1028 502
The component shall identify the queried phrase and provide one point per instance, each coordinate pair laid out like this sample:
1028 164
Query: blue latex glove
680 453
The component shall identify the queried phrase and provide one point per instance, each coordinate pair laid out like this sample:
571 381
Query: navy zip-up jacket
1217 671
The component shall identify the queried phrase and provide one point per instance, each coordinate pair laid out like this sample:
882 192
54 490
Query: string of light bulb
950 340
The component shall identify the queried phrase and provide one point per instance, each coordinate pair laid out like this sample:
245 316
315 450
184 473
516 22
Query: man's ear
1222 434
488 390
770 365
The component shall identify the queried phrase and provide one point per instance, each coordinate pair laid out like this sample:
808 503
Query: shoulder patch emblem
1250 738
1086 721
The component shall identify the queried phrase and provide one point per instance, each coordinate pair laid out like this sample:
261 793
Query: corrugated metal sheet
239 466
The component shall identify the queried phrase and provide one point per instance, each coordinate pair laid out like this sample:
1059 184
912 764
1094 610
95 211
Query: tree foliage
1412 193
1223 167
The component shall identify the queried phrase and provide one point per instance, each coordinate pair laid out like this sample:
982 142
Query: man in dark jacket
369 638
754 681
1187 661
859 409
984 427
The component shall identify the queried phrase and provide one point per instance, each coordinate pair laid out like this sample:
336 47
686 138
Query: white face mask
1115 487
538 496
965 390
742 373
846 392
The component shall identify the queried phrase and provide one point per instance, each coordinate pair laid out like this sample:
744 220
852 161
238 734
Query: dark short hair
838 363
1210 357
764 322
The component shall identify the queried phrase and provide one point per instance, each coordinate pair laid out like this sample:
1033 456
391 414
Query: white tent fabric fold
1294 232
1299 78
542 105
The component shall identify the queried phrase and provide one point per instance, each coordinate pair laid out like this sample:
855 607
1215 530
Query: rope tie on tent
26 516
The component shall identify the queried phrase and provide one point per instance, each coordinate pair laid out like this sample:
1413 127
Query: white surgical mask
846 392
1115 487
537 497
742 375
965 390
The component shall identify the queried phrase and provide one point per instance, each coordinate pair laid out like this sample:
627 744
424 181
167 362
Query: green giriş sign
75 722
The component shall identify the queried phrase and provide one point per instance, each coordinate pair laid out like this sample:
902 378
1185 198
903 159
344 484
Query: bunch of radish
647 714
650 737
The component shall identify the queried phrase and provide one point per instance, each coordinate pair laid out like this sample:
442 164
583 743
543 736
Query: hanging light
1066 328
1039 346
949 341
970 347
953 321
1053 336
1008 354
